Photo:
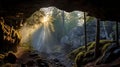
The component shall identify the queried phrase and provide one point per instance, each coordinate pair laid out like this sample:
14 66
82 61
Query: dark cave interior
99 52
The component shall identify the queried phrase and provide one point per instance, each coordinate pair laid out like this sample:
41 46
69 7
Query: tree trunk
63 20
85 33
97 38
106 34
117 34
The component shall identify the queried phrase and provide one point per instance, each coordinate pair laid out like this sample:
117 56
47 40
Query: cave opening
57 37
46 30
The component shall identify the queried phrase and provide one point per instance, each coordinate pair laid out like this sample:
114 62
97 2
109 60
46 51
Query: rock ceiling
103 9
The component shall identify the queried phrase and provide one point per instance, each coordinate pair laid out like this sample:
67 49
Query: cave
59 33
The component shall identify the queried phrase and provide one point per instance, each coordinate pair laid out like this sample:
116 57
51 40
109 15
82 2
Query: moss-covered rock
9 38
74 53
111 54
79 57
91 45
102 44
83 57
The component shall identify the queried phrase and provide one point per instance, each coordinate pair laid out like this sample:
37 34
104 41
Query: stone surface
9 38
106 10
111 54
10 58
107 53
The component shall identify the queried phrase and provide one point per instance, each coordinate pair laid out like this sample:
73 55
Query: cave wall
104 9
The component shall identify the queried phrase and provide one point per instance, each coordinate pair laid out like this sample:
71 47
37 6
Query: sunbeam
42 39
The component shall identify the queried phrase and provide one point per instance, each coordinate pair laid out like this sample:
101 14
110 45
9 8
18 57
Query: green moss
79 56
91 46
103 42
88 56
89 43
74 53
82 57
105 47
89 53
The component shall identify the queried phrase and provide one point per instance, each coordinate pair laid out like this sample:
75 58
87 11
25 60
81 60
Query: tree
85 33
63 20
117 34
97 38
106 34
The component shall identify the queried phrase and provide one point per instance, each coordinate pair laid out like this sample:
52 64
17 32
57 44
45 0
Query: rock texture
108 53
104 9
75 37
9 38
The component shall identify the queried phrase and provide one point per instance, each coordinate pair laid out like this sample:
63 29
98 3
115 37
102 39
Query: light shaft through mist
42 39
44 30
